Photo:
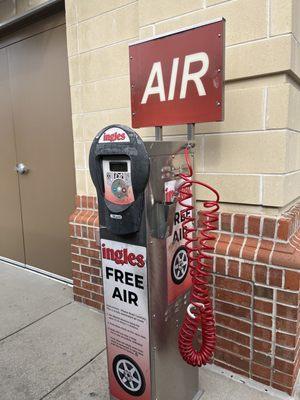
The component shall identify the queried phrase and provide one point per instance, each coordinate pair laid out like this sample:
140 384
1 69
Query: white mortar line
109 78
263 263
103 12
236 331
265 106
246 224
273 343
246 235
252 174
242 247
265 39
231 225
179 30
108 45
269 18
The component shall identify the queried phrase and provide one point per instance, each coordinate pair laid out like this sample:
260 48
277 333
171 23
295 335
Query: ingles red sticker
179 280
113 135
127 324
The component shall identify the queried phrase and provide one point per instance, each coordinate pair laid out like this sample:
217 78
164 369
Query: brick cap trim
259 249
263 251
259 226
85 217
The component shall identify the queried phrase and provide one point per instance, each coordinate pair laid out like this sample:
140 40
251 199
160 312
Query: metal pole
191 132
158 133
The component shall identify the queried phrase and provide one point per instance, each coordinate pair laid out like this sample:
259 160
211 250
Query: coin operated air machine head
119 166
145 213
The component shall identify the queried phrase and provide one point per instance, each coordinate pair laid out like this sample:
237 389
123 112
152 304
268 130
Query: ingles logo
121 257
114 134
113 137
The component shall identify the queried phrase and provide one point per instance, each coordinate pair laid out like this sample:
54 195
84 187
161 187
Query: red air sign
178 78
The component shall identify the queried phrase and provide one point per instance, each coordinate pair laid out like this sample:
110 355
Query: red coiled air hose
197 248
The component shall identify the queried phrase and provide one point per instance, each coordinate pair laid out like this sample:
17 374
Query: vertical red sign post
178 78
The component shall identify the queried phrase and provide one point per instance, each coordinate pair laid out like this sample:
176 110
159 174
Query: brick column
86 264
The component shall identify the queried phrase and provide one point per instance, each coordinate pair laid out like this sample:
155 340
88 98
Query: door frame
34 14
37 20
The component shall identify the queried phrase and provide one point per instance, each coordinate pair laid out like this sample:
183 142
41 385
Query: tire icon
180 264
129 375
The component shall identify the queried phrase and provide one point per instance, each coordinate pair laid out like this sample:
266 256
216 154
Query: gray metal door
40 98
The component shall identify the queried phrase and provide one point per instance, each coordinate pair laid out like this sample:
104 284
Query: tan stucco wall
253 157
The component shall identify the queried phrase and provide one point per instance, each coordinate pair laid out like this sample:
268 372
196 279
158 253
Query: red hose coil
198 249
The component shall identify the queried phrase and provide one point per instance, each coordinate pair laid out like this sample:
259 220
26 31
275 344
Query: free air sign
178 78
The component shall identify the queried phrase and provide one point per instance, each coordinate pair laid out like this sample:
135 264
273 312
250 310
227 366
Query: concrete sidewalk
54 349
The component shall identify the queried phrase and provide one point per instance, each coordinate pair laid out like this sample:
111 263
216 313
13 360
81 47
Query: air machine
154 265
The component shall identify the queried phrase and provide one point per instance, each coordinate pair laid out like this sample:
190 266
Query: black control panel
119 167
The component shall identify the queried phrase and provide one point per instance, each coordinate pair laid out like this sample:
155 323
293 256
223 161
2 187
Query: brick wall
255 289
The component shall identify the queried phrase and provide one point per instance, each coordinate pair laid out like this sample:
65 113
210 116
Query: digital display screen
118 166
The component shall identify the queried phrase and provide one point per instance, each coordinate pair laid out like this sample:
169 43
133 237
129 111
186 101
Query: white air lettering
156 72
195 76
